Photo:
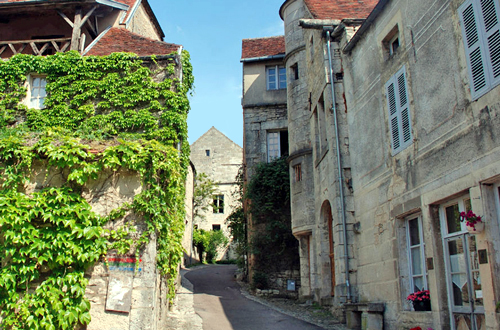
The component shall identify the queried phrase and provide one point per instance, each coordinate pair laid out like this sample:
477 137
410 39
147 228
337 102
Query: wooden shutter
489 14
398 106
481 35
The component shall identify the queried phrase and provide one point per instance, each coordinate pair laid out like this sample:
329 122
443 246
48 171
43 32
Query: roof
263 47
122 40
338 9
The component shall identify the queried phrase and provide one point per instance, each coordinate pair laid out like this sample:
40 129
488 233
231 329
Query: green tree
207 242
204 188
236 221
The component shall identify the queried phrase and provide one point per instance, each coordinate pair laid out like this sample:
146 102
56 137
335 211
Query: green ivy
51 236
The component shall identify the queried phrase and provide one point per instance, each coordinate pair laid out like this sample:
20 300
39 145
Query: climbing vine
272 243
101 115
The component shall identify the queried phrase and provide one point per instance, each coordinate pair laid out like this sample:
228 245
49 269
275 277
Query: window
207 153
399 111
481 36
295 71
416 255
276 77
277 145
391 43
297 170
37 92
215 227
218 205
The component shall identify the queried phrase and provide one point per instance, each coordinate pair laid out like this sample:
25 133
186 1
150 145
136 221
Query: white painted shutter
490 18
399 111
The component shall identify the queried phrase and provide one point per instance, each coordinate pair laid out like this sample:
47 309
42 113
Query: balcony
39 47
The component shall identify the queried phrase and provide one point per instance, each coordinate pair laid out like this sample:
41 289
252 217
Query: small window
277 145
37 91
297 170
218 205
276 77
391 42
215 227
207 153
295 71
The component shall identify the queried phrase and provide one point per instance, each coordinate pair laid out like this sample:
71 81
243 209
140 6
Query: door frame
462 235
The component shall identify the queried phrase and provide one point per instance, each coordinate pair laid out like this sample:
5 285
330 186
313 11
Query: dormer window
391 43
37 91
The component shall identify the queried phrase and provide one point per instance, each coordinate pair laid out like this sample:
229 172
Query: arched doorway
327 216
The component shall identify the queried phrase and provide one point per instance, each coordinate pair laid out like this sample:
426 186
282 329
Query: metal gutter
339 165
262 58
113 4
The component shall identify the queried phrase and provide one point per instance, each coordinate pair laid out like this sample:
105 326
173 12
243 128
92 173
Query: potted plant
473 222
421 300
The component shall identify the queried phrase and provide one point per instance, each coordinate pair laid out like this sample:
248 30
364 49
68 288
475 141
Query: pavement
184 317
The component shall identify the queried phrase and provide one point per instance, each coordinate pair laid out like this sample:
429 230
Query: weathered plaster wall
255 87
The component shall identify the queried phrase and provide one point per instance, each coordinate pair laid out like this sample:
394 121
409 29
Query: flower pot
479 227
422 306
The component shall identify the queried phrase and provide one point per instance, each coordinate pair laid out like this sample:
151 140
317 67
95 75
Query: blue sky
212 32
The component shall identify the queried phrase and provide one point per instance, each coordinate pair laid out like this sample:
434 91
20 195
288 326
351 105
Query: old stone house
266 136
408 141
220 159
125 291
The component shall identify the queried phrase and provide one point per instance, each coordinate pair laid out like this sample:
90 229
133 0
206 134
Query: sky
212 32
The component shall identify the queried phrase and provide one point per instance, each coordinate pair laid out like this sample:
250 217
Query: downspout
339 165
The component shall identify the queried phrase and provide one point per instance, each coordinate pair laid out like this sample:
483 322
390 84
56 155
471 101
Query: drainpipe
339 165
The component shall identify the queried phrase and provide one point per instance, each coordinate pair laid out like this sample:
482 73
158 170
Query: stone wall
124 293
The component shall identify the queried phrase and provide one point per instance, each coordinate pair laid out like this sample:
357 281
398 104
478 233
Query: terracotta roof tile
340 9
122 40
260 47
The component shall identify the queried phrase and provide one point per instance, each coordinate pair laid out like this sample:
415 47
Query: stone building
264 100
124 292
409 140
265 129
220 159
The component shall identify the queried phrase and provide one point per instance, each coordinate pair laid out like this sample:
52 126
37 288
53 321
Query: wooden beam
35 48
75 37
44 48
82 43
65 18
14 51
56 47
87 16
64 47
2 49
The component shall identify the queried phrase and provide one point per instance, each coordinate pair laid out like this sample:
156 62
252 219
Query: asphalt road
218 301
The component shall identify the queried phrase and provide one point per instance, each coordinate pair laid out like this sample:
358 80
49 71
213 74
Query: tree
207 242
236 221
204 188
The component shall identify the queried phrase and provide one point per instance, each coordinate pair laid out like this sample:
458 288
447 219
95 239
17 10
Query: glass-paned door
465 293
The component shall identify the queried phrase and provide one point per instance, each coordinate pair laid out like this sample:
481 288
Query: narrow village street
211 299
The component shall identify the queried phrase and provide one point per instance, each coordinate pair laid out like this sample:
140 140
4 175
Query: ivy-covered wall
104 118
